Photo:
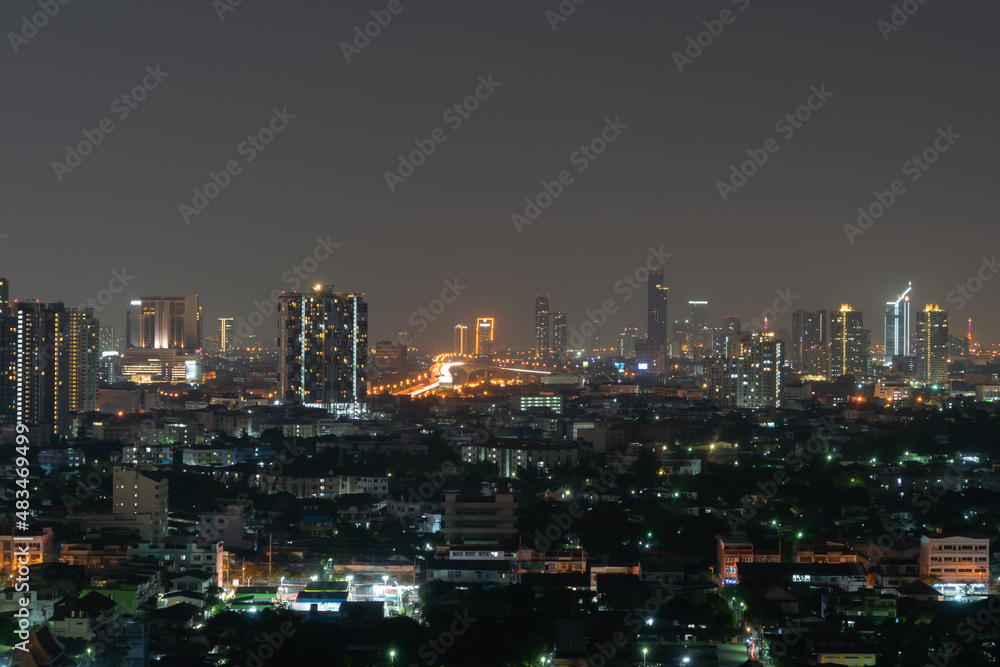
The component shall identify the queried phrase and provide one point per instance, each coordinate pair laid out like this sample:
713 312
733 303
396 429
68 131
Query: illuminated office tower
751 378
164 323
809 332
626 341
51 364
225 334
484 336
699 336
541 326
897 326
323 348
461 344
107 341
849 343
559 345
932 345
657 324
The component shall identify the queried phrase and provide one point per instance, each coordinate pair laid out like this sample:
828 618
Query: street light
644 652
392 657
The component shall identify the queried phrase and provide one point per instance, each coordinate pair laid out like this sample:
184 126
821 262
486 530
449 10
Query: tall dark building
809 331
542 326
4 297
932 345
50 357
559 335
657 324
850 344
323 349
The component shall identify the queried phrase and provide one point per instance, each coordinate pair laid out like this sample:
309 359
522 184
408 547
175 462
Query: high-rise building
139 493
559 332
751 378
542 326
657 324
484 336
323 348
50 358
461 344
849 343
390 356
897 326
699 339
225 335
165 323
107 341
4 297
809 331
932 345
626 341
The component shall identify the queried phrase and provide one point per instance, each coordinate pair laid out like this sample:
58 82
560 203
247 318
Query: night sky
655 185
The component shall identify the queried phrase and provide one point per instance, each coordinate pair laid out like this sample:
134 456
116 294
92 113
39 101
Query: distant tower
897 326
225 334
559 334
322 347
484 336
932 345
460 346
849 349
657 324
541 326
809 332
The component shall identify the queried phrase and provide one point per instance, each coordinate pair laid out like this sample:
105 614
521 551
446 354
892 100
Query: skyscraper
51 364
4 297
897 326
542 326
225 334
809 331
932 345
751 376
699 336
849 349
156 322
657 324
323 348
484 336
559 335
461 344
626 341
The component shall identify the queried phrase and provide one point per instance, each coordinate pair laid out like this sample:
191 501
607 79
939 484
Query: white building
957 565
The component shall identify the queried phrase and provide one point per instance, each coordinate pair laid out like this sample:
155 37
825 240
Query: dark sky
323 175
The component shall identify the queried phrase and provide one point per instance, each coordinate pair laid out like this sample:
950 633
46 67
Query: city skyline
274 221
